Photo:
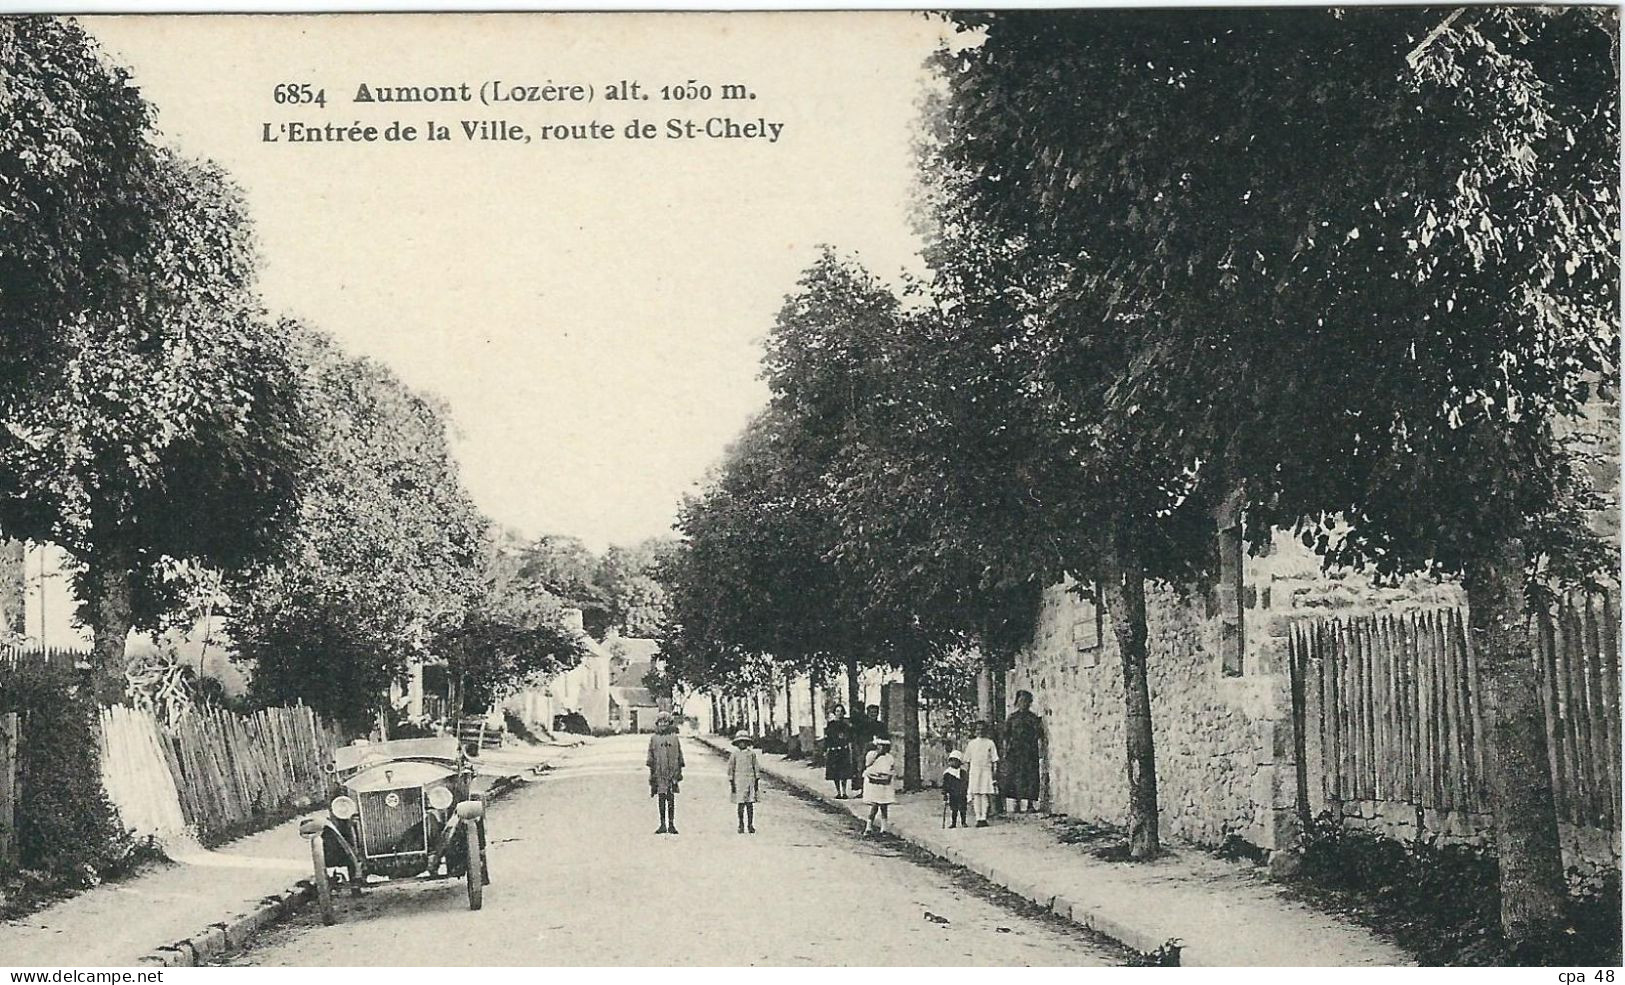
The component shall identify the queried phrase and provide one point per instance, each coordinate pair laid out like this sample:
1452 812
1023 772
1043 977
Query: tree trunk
984 691
812 705
998 708
911 724
1123 581
112 616
1515 753
1000 698
14 588
854 692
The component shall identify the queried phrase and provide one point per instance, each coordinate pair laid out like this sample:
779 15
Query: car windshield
366 754
397 773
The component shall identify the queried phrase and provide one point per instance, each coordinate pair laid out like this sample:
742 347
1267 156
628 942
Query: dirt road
580 878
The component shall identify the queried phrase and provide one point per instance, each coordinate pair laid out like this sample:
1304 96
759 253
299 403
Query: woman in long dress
879 783
981 765
1023 755
838 751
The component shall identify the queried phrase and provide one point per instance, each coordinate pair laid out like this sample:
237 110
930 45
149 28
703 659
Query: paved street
580 878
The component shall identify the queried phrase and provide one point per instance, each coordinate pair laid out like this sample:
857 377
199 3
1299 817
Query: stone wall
1225 755
1588 852
1218 738
1225 761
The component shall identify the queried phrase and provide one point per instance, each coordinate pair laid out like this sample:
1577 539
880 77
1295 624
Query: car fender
447 832
312 827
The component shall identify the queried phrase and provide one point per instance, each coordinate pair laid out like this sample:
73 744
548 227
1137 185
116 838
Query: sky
592 312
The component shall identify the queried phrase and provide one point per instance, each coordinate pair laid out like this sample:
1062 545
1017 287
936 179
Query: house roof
638 649
631 697
631 675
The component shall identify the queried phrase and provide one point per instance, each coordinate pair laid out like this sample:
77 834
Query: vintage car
400 809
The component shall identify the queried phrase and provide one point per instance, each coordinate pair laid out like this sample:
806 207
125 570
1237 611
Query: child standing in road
953 789
744 780
879 790
665 770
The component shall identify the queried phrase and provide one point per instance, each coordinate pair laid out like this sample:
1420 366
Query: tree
1037 341
386 553
149 419
1358 267
748 577
627 576
69 158
1501 198
503 643
512 633
922 476
171 435
565 568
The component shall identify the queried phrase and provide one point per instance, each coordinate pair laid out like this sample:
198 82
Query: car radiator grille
393 830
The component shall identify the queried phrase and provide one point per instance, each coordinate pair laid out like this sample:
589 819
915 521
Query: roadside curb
232 934
1142 939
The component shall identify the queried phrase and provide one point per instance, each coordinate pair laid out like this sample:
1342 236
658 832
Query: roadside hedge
68 833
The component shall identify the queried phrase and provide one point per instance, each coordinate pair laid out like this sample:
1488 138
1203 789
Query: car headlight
439 798
343 807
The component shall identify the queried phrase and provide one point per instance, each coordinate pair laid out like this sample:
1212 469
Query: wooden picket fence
1387 708
214 771
54 658
136 774
11 735
1579 681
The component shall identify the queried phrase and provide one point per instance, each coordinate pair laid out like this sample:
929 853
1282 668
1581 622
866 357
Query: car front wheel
319 880
473 873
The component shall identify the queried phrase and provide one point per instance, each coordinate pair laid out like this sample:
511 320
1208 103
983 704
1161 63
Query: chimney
572 621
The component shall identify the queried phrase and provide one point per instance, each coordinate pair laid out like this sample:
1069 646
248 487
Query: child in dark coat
744 781
953 789
665 771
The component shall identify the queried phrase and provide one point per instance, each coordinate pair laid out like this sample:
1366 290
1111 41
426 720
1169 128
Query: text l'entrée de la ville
535 112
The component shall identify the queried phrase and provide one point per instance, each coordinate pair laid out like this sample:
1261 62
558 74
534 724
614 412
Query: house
582 689
606 687
632 709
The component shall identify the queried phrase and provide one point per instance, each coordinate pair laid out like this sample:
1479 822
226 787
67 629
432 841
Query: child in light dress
879 783
981 766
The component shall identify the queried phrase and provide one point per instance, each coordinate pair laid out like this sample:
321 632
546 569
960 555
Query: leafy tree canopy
386 552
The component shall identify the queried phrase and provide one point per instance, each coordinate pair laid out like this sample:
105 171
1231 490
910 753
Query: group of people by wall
1010 766
859 761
